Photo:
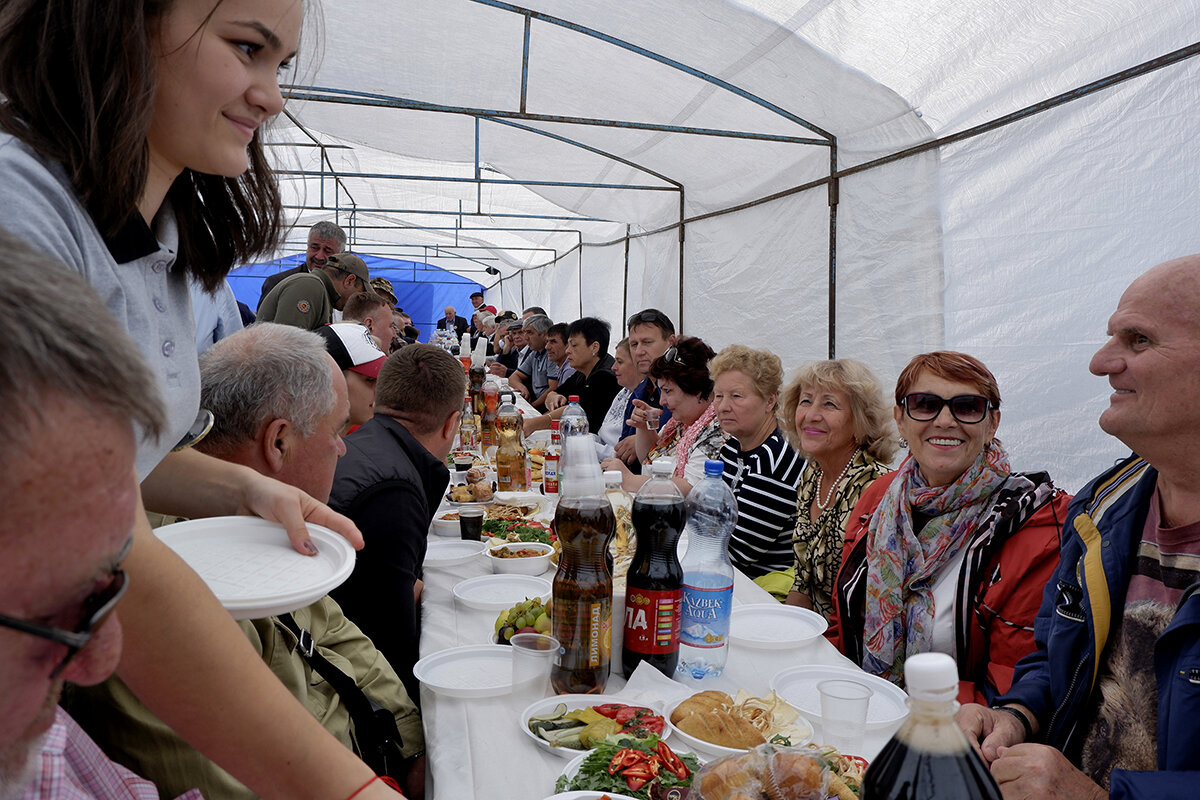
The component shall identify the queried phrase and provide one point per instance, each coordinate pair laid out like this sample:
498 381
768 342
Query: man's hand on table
1041 772
989 729
498 369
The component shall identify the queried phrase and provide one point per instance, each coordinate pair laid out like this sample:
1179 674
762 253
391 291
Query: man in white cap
360 359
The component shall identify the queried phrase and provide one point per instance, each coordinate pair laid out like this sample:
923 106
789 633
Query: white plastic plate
572 702
452 553
250 565
720 751
798 686
477 670
498 592
774 626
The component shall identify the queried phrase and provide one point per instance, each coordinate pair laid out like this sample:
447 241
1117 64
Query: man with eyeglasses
650 333
312 299
1108 706
72 397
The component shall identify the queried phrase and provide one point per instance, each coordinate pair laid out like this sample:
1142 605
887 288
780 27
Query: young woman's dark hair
78 81
686 364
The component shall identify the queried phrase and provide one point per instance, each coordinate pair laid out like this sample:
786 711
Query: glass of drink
844 705
532 655
462 463
652 415
470 523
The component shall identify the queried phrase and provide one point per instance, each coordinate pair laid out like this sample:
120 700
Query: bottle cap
714 467
613 476
931 676
663 467
573 398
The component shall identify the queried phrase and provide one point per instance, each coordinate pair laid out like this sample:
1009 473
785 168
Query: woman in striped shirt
761 468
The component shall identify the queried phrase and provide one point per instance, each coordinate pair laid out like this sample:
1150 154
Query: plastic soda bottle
573 420
491 401
655 579
622 503
582 618
551 462
929 756
512 473
707 576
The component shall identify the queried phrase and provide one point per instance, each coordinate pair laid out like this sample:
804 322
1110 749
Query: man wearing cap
324 240
383 287
478 306
310 300
360 359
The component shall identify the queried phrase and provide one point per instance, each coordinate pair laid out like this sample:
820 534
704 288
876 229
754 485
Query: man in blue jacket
1113 689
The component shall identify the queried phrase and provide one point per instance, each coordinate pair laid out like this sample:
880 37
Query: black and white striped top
764 482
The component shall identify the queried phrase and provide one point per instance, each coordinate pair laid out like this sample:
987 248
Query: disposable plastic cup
532 655
470 523
844 705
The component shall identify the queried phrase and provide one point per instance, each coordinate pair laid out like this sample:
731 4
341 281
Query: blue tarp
422 290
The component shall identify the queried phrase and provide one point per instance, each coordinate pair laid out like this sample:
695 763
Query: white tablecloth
476 748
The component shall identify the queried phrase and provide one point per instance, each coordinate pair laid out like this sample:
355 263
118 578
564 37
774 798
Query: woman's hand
644 416
615 463
271 499
554 400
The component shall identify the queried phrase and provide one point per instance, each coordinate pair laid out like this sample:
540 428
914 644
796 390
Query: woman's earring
903 443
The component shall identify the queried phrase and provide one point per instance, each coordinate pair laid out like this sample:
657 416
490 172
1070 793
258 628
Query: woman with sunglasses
132 151
949 553
693 434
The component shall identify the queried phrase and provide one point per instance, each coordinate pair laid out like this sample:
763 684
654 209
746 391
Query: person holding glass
949 553
836 415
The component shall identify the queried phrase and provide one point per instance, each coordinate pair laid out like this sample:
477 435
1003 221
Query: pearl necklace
836 481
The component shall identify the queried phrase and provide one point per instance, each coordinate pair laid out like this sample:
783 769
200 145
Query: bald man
1115 681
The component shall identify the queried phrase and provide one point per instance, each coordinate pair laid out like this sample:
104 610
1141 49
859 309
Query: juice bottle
512 473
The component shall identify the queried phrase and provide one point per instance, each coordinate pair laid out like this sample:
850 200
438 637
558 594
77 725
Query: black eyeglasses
671 356
969 409
97 607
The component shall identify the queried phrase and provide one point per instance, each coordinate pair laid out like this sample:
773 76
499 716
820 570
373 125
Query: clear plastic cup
532 655
844 705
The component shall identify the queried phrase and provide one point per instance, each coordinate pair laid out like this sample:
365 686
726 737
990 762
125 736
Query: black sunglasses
650 317
969 409
97 607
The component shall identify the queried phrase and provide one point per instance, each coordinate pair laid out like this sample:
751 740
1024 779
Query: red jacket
1005 573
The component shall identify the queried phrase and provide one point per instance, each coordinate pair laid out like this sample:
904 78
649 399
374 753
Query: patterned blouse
818 545
707 446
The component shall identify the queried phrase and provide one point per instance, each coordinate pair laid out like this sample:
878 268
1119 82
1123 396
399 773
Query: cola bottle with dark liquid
654 584
581 613
929 757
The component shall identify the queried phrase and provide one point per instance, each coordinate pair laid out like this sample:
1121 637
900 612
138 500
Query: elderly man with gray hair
324 240
531 377
280 404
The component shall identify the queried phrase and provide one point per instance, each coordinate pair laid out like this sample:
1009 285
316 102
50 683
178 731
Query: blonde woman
836 414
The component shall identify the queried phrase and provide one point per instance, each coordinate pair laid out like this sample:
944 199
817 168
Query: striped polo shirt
764 482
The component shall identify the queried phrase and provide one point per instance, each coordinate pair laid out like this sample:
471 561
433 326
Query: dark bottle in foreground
654 584
581 617
929 757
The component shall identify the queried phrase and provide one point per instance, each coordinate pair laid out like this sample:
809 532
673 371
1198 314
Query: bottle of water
573 421
707 576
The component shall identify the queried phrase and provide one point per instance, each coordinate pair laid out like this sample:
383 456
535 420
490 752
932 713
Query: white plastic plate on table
498 592
572 702
589 795
720 751
532 500
452 553
250 565
798 686
774 626
476 670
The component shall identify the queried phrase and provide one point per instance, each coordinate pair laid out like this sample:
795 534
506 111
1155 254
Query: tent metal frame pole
497 181
625 292
682 216
325 94
834 188
564 218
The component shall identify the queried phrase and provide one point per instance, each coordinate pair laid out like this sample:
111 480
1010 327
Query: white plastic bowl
446 527
718 751
530 565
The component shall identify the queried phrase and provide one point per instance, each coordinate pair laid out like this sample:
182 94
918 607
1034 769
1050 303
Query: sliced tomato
609 710
632 712
635 783
642 727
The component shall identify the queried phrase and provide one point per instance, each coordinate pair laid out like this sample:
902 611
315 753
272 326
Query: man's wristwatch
1025 723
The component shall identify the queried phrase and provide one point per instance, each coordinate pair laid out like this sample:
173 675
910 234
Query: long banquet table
476 748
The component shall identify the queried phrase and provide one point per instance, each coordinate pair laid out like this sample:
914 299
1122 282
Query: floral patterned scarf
902 564
678 440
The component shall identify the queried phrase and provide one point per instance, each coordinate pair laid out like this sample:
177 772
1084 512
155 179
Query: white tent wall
1046 222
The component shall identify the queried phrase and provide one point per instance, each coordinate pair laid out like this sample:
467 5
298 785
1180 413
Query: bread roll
733 778
722 728
793 776
701 703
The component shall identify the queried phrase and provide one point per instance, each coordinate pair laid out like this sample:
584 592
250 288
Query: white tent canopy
732 164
